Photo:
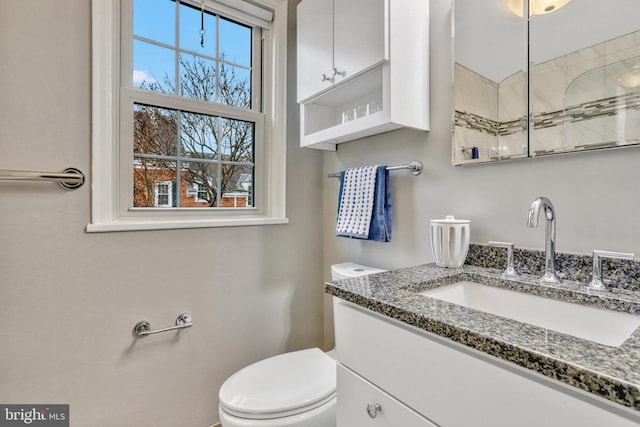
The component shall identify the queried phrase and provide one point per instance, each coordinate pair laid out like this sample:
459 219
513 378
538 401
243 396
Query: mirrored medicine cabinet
543 77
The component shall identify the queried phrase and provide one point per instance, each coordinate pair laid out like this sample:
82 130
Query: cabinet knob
326 78
373 409
338 73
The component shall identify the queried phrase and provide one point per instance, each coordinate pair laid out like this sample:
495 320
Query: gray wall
69 300
595 194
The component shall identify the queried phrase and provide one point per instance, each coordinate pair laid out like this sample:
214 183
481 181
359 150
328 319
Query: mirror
490 82
585 77
582 75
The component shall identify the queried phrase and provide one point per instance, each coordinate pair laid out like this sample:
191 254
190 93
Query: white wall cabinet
449 384
362 68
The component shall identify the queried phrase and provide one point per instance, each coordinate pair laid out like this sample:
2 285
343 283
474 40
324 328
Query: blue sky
156 20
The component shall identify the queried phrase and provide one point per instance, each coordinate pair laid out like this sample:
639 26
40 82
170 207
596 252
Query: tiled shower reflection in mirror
582 80
490 82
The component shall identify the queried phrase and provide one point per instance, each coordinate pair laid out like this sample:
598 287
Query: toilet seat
280 386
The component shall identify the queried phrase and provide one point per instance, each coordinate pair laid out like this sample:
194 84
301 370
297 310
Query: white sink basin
603 326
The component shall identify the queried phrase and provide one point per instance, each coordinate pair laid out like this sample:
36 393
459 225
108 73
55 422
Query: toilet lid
281 385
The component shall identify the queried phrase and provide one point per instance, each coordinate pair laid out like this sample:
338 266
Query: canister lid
450 219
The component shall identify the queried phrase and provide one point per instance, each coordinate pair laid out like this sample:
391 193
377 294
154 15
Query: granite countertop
609 372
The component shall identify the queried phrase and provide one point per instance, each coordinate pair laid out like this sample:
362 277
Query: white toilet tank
347 270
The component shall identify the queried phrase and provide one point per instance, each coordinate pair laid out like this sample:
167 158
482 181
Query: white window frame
107 213
197 191
156 192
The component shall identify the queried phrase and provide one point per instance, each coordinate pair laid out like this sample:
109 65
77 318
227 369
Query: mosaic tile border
478 123
587 110
606 107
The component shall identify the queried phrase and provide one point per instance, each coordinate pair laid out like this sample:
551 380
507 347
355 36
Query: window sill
171 224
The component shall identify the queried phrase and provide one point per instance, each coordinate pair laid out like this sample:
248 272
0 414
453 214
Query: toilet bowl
296 389
291 389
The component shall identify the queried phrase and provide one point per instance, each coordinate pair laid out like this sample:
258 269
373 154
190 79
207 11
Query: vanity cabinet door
361 404
315 46
360 36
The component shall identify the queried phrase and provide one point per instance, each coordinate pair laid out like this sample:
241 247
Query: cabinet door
361 35
315 46
362 404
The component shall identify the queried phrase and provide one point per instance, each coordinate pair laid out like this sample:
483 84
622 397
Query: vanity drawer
362 404
455 386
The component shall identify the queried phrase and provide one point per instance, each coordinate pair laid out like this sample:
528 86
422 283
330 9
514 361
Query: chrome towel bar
143 327
414 167
69 178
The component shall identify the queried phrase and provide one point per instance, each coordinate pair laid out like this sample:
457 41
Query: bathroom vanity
410 359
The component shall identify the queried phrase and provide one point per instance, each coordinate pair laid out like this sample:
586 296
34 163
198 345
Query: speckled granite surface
619 274
609 372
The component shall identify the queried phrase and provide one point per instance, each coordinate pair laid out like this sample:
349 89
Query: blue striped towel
364 204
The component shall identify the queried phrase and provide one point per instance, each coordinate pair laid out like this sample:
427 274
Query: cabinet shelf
366 126
351 110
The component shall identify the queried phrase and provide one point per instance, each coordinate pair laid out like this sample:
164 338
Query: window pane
237 190
153 67
202 192
154 130
208 144
235 42
236 140
197 78
153 183
163 194
202 177
198 136
235 86
181 158
190 24
152 18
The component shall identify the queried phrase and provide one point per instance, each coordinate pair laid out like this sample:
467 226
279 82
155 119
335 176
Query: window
190 130
199 191
163 194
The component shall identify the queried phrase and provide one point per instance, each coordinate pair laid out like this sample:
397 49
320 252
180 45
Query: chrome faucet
542 203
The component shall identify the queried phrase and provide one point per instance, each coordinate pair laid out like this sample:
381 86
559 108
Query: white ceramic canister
450 241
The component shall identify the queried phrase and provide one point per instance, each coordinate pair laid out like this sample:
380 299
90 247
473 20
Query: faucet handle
510 271
596 273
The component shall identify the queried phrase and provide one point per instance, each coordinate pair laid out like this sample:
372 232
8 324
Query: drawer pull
373 409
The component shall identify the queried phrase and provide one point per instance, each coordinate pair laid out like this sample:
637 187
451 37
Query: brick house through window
156 187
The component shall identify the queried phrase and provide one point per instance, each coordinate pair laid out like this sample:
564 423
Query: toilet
296 389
